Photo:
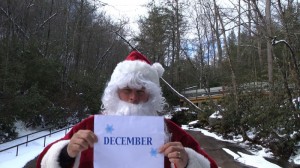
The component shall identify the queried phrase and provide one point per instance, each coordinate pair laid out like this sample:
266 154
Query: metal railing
27 137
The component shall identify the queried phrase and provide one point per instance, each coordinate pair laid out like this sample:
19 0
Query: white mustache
129 109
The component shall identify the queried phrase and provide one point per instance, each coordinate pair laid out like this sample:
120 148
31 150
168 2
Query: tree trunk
233 77
177 42
238 57
220 57
269 46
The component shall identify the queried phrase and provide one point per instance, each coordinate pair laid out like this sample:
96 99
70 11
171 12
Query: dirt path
214 149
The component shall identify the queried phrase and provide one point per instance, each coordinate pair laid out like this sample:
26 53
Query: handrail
27 141
28 135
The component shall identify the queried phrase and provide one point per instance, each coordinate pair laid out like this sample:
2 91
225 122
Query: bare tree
269 46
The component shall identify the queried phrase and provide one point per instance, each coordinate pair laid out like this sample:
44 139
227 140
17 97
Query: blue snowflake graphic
153 152
109 128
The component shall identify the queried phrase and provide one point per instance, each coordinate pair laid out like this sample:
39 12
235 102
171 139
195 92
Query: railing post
50 132
17 150
26 140
45 140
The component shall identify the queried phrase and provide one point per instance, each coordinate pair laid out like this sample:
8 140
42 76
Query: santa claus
133 89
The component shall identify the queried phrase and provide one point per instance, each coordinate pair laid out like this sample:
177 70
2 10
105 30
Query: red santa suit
136 66
49 158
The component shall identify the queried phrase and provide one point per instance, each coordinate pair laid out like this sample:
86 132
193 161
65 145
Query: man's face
134 96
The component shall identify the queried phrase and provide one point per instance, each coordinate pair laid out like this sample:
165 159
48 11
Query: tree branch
14 23
41 25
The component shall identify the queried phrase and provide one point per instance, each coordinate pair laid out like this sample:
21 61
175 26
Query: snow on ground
251 160
255 160
8 159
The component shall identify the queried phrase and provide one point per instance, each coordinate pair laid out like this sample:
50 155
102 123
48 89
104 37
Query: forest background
57 55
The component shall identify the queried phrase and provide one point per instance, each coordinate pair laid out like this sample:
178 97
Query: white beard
123 108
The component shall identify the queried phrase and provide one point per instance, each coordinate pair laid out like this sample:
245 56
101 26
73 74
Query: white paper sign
128 141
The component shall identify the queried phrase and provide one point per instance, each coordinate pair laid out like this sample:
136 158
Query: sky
8 159
129 9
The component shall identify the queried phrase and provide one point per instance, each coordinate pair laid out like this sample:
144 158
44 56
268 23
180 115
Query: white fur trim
50 159
152 73
159 69
196 159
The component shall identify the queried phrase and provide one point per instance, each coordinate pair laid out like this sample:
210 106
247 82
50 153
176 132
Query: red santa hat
134 63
